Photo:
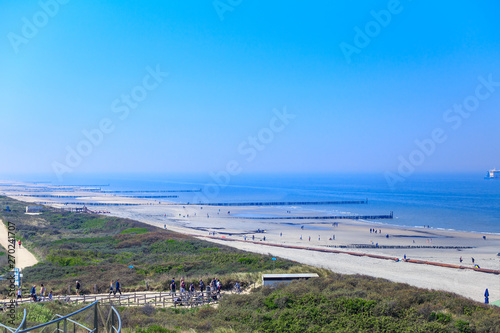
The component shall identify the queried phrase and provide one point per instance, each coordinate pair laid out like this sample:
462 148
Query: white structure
492 174
270 280
34 209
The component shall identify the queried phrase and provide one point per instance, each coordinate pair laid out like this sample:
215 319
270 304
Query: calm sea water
458 201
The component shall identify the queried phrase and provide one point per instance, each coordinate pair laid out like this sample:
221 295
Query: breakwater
327 217
283 203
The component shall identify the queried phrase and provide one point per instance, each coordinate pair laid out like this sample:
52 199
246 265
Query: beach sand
441 246
23 257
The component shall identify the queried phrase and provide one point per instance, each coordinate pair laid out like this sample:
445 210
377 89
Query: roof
289 276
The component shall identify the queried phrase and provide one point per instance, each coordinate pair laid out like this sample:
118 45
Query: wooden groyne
152 196
92 203
283 203
369 246
328 217
155 191
357 254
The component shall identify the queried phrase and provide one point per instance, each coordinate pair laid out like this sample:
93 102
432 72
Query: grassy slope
95 249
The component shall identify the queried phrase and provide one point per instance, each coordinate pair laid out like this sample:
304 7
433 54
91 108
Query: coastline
441 246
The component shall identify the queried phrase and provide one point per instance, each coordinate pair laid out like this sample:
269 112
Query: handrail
20 325
119 320
23 322
76 323
58 320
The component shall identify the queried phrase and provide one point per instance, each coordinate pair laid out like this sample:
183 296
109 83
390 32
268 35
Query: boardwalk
156 299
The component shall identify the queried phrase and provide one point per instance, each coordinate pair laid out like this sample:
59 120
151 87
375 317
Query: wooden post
96 328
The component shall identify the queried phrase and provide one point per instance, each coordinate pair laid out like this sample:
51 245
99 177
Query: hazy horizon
396 88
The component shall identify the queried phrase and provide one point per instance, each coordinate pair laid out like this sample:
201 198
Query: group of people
116 289
214 286
43 294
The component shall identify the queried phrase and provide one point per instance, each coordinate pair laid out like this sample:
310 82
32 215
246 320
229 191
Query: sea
462 202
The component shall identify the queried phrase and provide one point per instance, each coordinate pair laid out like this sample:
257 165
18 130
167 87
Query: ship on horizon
492 174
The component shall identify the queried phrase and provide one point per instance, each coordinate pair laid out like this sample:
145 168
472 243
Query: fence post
65 326
96 324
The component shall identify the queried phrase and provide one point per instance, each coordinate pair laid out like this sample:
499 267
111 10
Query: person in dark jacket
117 287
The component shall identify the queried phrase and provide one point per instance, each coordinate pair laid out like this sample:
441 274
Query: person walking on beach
111 291
50 296
117 287
78 288
191 288
19 243
461 259
473 260
19 293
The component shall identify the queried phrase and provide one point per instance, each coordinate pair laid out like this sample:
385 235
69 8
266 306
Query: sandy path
24 258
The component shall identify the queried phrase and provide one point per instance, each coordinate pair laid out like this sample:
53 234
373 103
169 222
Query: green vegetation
333 303
96 249
3 260
135 231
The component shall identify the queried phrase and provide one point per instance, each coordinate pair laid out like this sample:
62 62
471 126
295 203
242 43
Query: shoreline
292 240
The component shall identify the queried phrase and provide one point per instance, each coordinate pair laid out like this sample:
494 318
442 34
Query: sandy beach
242 225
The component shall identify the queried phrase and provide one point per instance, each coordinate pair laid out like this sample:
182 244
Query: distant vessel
492 174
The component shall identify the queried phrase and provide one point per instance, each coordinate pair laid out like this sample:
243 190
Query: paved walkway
24 258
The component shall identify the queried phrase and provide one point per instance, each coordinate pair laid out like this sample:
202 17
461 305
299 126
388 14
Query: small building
271 280
34 209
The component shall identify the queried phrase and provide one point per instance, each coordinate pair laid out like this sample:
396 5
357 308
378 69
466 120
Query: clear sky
319 86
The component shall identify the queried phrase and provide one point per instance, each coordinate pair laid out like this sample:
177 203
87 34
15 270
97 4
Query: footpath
24 258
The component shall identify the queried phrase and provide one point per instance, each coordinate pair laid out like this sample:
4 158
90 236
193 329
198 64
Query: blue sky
226 76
